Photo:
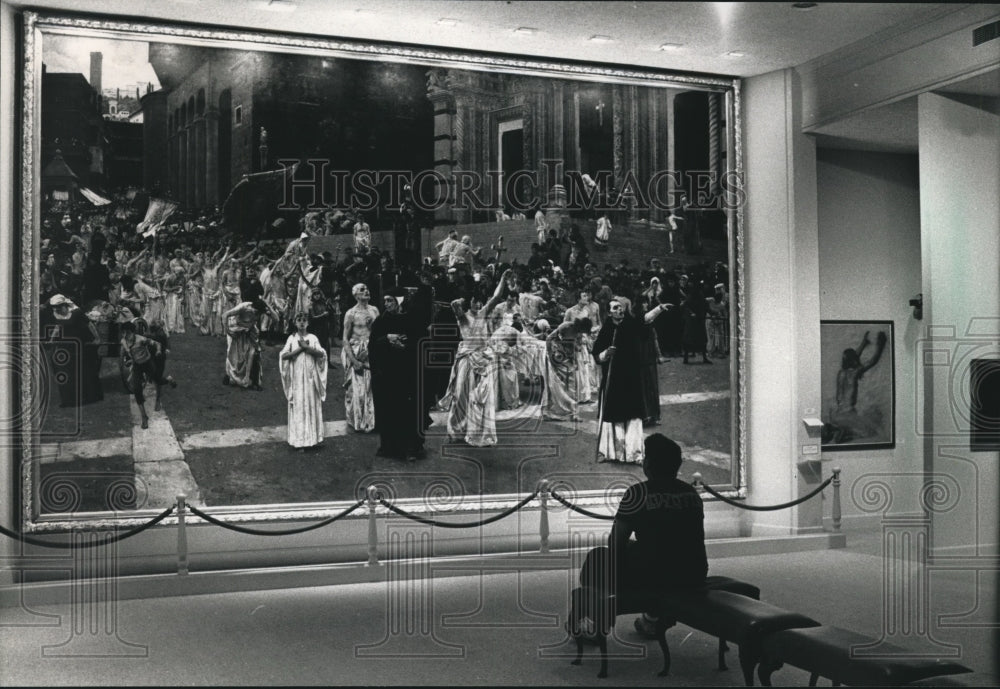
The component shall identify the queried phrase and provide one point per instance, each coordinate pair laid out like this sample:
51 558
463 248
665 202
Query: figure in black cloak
393 352
617 350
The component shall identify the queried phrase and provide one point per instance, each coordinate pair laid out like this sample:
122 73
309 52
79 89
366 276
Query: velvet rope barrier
764 508
460 525
580 510
93 544
285 532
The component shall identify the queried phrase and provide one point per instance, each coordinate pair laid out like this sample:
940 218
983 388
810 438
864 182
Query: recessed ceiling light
599 38
670 46
804 6
447 22
525 31
278 5
736 53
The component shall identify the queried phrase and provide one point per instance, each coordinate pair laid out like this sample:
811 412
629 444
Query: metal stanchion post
372 527
835 508
696 479
543 517
182 546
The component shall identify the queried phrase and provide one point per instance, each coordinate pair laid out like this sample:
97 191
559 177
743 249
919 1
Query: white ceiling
773 35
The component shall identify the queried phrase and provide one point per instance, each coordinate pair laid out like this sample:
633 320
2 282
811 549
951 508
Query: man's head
61 304
663 457
390 303
360 291
617 310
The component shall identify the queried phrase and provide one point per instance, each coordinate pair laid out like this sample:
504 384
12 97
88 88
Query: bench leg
723 647
661 639
814 678
602 642
766 669
748 661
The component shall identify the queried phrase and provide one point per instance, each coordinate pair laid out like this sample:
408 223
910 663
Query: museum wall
788 230
960 234
782 332
869 269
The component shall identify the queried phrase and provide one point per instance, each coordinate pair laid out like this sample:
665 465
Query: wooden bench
826 652
726 608
735 618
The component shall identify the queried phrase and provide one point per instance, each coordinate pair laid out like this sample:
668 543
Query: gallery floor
489 629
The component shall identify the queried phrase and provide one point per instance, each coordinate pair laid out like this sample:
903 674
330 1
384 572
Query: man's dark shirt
667 517
250 289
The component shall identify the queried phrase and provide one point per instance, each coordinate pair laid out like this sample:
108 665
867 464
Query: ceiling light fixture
599 38
736 53
669 47
804 6
280 5
447 22
525 31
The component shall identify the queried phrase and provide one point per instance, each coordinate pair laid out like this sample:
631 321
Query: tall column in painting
618 136
633 164
172 162
571 128
462 143
558 123
474 95
199 162
189 180
444 117
182 166
212 157
669 159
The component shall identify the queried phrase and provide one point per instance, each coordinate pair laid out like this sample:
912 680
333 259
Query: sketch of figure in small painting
847 422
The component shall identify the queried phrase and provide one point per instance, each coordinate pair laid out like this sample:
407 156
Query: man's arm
880 341
498 292
617 544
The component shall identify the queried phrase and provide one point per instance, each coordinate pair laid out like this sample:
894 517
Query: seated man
667 517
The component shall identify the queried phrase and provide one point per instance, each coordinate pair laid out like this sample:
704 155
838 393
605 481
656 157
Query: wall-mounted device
814 426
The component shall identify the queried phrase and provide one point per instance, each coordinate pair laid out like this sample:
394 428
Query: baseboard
257 579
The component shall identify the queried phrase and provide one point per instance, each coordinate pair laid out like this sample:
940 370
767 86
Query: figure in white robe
471 398
211 295
603 234
173 310
359 404
588 379
504 342
193 294
303 366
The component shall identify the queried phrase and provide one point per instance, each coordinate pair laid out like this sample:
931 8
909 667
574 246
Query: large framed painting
858 380
270 271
